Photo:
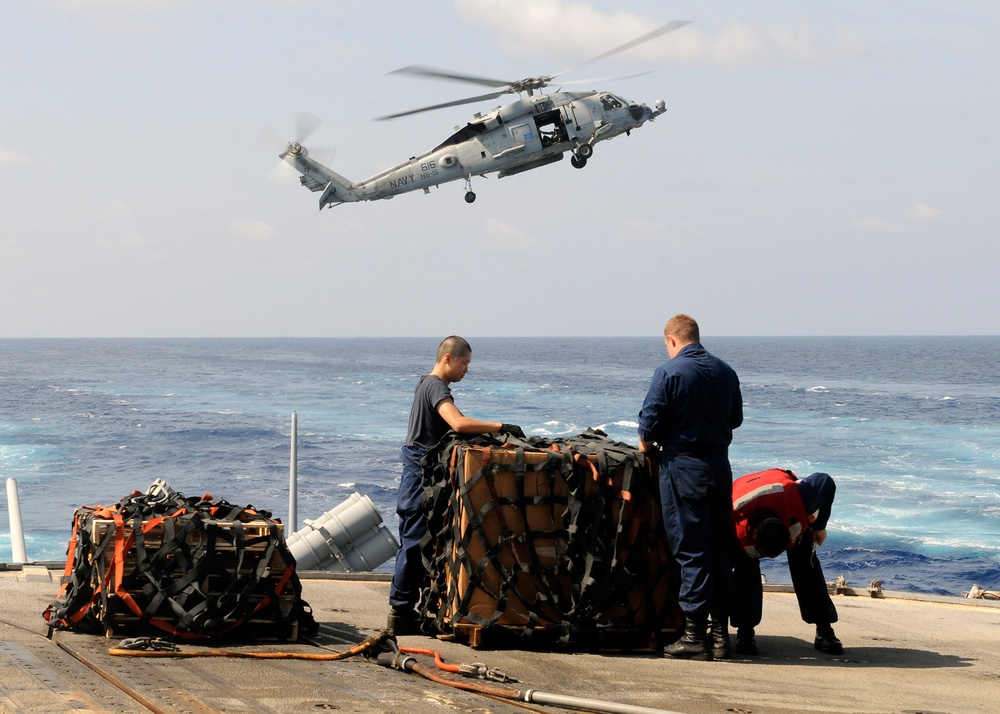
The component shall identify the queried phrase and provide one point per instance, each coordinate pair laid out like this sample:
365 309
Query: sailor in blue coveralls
688 417
433 414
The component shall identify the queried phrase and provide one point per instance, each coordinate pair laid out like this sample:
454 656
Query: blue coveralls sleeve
736 418
653 407
818 491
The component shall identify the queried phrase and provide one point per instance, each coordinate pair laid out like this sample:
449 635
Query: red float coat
773 490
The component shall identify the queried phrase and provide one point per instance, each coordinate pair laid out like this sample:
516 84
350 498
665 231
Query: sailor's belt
696 450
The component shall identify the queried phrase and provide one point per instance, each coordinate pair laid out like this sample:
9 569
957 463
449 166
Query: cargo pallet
218 542
561 545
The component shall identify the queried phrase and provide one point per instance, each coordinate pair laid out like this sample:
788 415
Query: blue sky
822 169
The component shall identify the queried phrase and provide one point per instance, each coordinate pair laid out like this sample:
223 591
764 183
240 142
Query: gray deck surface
902 656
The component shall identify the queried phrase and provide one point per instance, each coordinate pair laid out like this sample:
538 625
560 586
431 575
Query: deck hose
388 654
401 659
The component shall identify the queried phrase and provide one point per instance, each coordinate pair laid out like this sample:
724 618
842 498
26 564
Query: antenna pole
293 475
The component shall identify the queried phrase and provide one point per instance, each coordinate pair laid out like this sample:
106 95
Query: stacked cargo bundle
555 541
197 568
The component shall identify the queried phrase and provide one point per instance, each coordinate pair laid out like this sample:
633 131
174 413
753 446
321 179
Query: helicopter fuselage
526 134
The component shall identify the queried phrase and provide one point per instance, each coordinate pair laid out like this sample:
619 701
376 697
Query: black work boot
826 641
403 621
693 644
746 642
721 647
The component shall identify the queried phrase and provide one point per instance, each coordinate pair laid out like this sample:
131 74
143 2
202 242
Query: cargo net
546 541
197 568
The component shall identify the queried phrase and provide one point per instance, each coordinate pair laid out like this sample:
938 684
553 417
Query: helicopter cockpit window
610 102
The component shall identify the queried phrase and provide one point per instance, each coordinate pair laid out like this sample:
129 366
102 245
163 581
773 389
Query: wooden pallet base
478 636
254 630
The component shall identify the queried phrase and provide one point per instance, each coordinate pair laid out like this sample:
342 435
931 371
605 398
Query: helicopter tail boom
317 177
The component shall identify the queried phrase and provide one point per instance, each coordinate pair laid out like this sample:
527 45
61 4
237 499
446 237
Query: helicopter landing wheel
585 151
577 162
470 196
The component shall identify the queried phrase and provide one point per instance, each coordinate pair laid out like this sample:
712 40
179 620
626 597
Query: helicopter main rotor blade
423 71
669 27
604 79
528 84
457 102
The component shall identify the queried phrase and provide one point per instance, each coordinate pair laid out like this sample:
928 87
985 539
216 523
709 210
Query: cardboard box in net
558 540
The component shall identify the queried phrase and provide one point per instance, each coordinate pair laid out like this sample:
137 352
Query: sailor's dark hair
454 345
770 536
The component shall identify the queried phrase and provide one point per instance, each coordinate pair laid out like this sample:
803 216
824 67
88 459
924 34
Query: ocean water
908 426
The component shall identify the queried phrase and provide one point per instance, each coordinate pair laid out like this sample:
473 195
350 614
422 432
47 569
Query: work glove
513 430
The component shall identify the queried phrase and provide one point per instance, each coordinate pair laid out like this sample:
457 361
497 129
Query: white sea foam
554 428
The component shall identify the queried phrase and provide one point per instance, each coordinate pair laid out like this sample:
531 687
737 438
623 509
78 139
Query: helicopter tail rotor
305 125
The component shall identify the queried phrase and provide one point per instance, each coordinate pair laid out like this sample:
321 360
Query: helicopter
535 130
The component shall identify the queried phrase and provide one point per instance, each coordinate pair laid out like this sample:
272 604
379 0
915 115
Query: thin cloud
116 211
119 17
922 213
528 24
872 224
503 236
256 230
355 233
739 43
128 240
10 158
13 250
917 214
634 231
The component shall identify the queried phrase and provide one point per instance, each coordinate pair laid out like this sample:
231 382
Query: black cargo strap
180 585
600 530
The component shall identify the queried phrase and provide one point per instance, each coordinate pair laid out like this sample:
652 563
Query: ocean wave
916 455
555 428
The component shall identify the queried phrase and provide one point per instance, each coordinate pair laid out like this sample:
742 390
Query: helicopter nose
639 112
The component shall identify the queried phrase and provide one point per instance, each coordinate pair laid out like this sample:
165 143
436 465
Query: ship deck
903 654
